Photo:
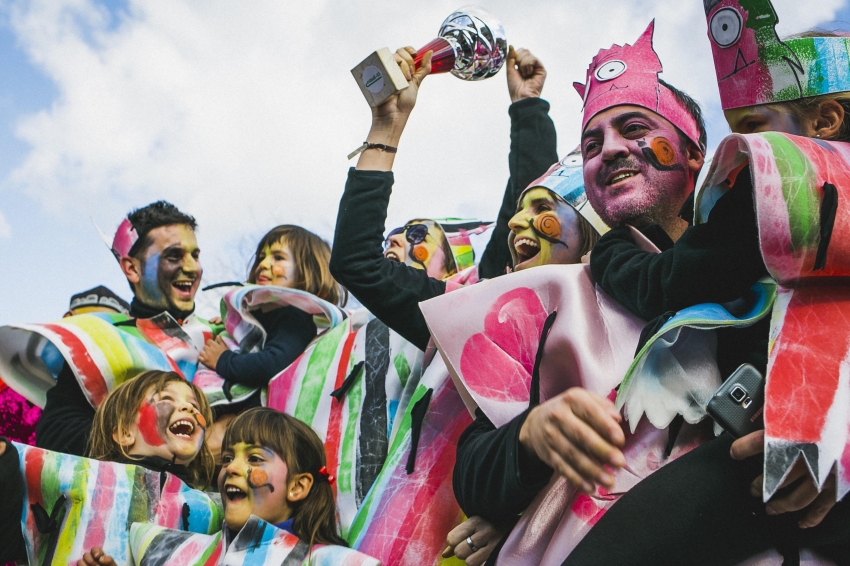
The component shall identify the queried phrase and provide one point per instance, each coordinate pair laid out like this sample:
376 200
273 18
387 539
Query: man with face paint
392 284
157 251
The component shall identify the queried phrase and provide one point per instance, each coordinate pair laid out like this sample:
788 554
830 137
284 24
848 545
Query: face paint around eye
660 154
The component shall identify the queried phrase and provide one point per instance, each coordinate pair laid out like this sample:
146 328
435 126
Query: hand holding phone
738 405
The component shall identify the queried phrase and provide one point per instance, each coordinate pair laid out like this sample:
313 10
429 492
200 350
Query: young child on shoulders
291 257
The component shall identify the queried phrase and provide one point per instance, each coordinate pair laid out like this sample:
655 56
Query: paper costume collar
565 179
123 241
457 232
629 75
754 66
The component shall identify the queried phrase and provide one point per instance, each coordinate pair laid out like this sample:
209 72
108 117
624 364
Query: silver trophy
471 45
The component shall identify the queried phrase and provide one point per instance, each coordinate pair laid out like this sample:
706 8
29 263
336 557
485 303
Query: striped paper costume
103 350
373 372
257 544
94 503
801 190
245 334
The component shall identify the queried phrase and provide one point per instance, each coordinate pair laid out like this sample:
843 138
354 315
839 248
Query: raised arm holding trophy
471 45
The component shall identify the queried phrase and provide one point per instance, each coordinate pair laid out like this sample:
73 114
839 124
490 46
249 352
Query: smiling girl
294 258
157 420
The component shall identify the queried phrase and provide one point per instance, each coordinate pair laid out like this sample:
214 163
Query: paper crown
629 75
458 231
122 242
565 179
754 66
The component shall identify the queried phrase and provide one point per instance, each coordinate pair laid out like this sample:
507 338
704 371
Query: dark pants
698 510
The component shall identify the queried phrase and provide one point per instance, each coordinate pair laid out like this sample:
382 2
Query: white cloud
243 114
5 229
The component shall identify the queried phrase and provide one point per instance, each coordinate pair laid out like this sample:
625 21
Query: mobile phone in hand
738 406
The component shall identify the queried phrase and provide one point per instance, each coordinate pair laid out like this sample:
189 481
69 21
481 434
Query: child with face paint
291 257
273 467
157 420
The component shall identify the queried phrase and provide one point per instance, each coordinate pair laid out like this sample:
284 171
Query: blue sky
105 106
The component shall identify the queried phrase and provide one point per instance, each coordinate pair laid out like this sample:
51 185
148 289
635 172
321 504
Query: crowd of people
474 409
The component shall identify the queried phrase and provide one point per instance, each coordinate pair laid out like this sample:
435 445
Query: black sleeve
65 424
12 546
288 333
713 262
493 478
533 150
390 290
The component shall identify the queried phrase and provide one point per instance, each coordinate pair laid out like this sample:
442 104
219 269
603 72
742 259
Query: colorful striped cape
491 341
411 508
801 192
103 350
102 500
257 544
373 372
245 334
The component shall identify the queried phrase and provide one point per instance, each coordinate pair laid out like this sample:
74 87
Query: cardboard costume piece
258 544
754 66
490 344
102 349
372 372
245 334
412 498
101 501
629 75
801 187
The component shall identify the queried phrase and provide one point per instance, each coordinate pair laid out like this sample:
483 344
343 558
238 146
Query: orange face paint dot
420 253
258 478
201 420
548 224
663 151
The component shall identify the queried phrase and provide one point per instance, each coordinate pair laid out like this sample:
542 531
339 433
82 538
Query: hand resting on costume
803 496
578 434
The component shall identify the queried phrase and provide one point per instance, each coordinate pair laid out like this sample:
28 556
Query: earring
817 135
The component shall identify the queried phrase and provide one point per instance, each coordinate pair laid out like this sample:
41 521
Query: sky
242 114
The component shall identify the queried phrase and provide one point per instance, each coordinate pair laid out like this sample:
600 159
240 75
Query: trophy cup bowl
471 45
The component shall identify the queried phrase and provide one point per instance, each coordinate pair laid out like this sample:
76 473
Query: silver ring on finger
471 545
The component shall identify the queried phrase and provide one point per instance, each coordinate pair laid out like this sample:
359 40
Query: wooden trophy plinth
379 77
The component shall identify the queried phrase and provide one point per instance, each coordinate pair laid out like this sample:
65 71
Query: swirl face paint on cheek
259 478
548 224
660 154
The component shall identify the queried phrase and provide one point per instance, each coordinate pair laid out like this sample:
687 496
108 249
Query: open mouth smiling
526 249
183 428
184 286
615 178
234 494
392 256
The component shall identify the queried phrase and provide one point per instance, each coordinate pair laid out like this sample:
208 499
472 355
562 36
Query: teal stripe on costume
830 71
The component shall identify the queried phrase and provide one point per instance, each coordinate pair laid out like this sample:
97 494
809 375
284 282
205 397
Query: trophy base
379 77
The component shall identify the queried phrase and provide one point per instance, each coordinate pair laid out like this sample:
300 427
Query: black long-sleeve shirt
289 331
391 290
533 151
714 262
